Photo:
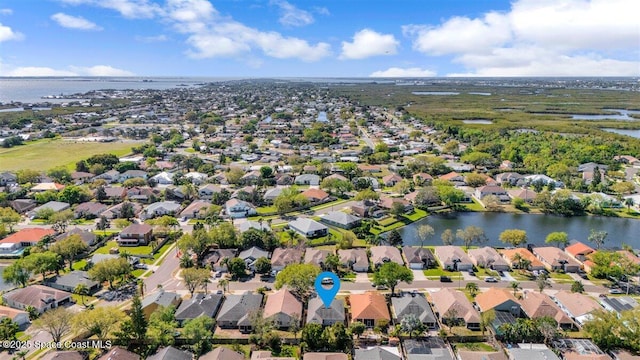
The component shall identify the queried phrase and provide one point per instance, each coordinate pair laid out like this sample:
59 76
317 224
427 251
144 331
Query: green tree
197 242
604 329
597 237
82 290
331 263
9 217
69 248
471 235
72 194
558 237
472 288
475 180
542 282
394 238
17 273
103 224
357 328
577 287
425 231
311 337
162 326
514 237
237 267
515 286
101 321
60 174
199 334
447 237
43 263
194 278
390 274
299 278
263 265
367 194
110 270
56 322
60 220
8 329
478 158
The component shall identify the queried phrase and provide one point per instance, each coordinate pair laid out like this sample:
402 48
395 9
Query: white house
236 208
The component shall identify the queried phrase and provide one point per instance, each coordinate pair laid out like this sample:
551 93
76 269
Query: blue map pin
327 295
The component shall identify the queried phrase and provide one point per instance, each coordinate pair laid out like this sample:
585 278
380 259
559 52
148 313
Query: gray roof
534 353
88 237
171 353
431 348
200 305
72 279
53 205
317 312
416 305
162 298
306 225
375 353
253 252
312 179
250 224
238 307
168 205
417 254
340 217
222 353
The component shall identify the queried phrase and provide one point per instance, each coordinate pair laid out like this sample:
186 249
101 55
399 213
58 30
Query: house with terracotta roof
578 306
282 257
422 178
453 257
525 194
391 179
315 195
555 259
453 307
511 254
454 178
498 299
47 186
383 254
18 316
196 210
42 298
283 308
579 251
536 305
488 257
13 244
369 308
324 356
387 202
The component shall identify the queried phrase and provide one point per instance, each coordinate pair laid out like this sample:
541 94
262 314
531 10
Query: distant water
632 133
478 121
31 90
437 93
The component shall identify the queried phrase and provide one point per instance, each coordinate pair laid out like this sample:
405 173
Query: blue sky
342 38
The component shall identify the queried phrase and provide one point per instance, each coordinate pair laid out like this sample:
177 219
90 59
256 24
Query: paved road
366 138
164 274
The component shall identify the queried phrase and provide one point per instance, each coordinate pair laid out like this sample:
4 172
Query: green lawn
560 276
475 206
437 272
40 154
131 250
473 346
387 221
79 265
266 209
416 215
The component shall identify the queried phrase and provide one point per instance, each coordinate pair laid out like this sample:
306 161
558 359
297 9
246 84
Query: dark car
445 279
501 273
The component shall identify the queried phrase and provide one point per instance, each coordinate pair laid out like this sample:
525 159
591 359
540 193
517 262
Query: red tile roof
32 235
579 249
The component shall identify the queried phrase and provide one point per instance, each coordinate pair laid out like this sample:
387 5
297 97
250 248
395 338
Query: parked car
445 279
616 291
490 279
327 281
501 273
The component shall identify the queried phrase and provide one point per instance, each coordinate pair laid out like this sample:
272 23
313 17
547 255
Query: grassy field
49 153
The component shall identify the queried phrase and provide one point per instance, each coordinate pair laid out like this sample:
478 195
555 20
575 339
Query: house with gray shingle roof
416 305
307 179
316 256
251 255
355 259
171 353
282 257
384 253
199 305
161 208
419 257
68 282
236 310
309 228
159 299
319 314
222 353
341 219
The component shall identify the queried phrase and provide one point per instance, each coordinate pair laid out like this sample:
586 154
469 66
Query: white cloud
291 15
395 72
6 11
101 70
131 9
97 70
152 39
539 38
6 34
367 43
209 34
321 10
74 22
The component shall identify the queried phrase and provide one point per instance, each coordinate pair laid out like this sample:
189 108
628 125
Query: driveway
577 277
418 275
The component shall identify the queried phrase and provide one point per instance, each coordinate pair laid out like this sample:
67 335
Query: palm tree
293 235
82 290
515 286
224 284
472 288
22 354
629 203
